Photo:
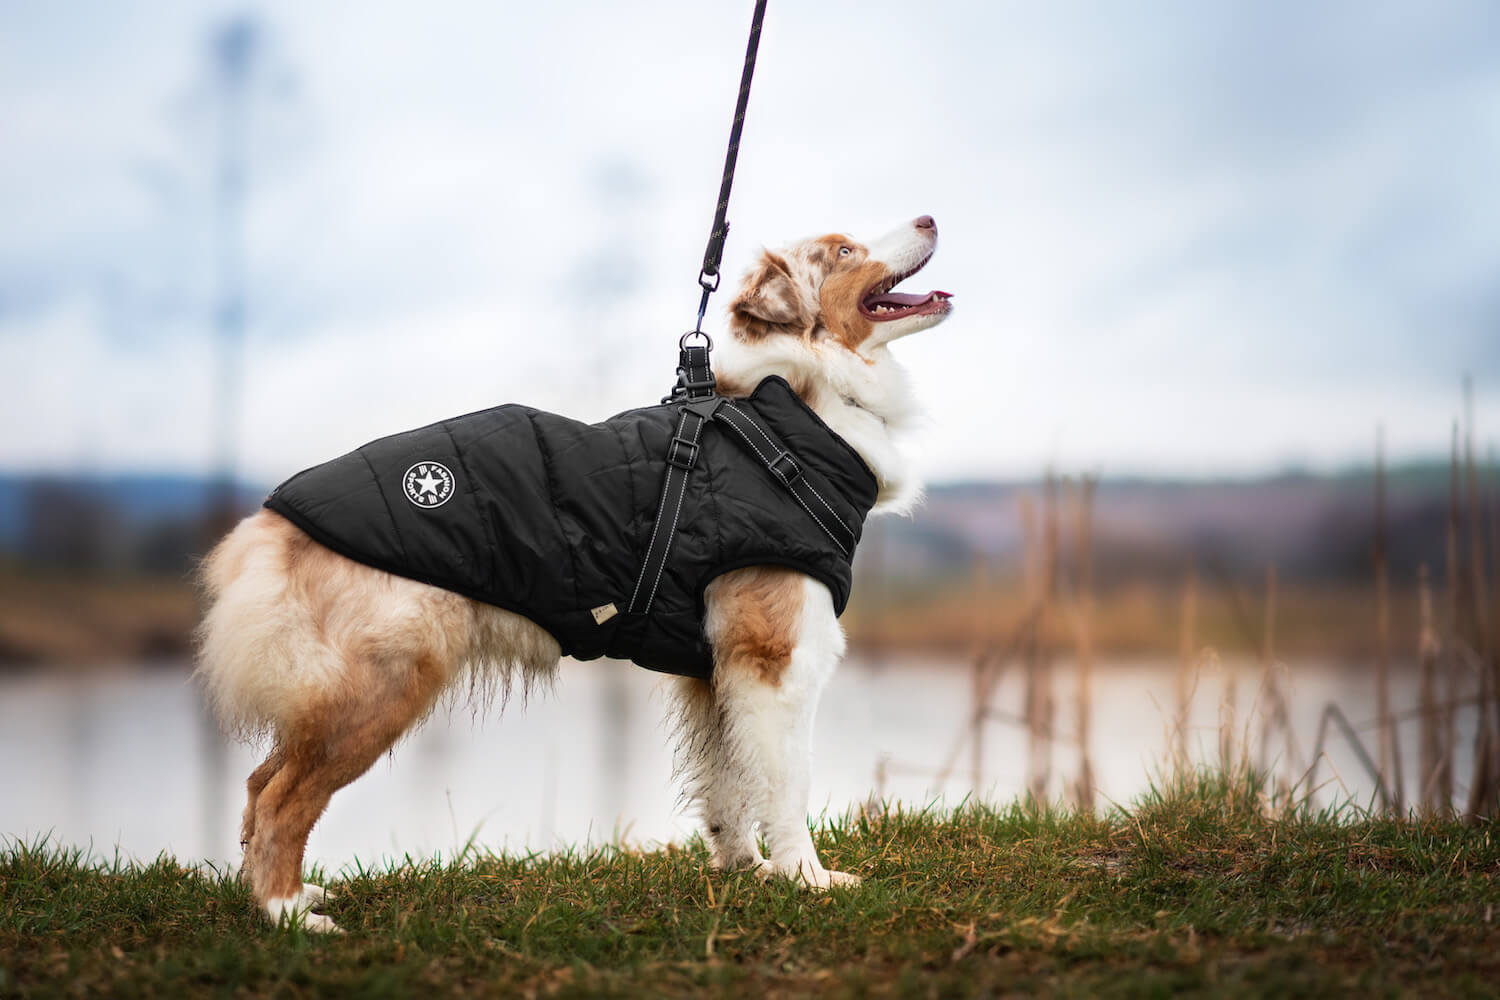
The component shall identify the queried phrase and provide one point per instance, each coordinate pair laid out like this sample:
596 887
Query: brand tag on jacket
604 613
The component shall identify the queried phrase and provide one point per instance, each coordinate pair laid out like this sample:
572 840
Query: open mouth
883 305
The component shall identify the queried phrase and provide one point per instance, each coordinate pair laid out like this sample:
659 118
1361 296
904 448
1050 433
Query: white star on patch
428 484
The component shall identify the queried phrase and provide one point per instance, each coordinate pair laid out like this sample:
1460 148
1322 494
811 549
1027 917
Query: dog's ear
768 301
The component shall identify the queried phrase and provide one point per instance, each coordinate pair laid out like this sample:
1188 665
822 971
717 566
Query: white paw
740 863
843 879
312 895
319 924
814 876
294 912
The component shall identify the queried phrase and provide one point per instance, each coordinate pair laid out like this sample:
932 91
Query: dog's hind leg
254 785
776 643
324 751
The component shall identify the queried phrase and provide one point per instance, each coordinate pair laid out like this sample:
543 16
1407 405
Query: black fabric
551 518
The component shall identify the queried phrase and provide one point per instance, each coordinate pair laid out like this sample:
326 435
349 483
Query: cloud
1178 236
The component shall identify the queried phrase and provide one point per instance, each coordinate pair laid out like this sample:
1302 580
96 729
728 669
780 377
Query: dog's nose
925 222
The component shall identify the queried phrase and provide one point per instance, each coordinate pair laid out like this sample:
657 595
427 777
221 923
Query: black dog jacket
554 519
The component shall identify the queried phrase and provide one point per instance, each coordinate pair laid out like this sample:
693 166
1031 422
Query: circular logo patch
428 484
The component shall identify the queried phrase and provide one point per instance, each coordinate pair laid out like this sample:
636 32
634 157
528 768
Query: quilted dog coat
552 518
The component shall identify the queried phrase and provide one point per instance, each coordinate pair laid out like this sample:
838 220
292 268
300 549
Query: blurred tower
234 49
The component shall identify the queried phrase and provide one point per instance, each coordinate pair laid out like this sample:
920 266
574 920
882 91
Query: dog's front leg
777 642
715 776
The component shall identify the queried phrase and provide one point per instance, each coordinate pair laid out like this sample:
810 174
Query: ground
1197 889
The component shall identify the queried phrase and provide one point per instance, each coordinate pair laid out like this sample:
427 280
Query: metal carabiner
708 341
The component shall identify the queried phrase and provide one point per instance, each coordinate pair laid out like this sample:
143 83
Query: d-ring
707 340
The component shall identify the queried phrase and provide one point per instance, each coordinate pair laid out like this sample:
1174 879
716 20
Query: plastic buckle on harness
694 388
673 453
791 475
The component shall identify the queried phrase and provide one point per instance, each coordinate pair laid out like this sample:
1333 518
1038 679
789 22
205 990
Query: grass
1193 889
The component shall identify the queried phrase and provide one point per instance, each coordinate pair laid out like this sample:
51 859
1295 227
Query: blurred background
1211 447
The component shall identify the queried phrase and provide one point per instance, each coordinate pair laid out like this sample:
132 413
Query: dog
335 660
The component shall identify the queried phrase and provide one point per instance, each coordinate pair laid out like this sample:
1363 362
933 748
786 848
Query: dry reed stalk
1036 592
1229 696
1276 715
1084 707
876 803
979 689
1493 521
1484 789
1449 663
1493 518
990 657
1436 770
1333 714
1040 709
1388 753
1269 688
1187 651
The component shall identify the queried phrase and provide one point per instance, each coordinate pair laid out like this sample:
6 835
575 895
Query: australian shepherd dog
335 660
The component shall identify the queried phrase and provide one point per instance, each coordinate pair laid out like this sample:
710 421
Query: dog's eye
844 251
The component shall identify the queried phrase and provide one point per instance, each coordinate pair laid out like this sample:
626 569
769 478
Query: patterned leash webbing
695 378
709 276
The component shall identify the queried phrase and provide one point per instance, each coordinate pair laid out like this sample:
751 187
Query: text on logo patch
428 484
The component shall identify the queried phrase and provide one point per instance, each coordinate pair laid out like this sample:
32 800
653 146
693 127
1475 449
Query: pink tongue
899 299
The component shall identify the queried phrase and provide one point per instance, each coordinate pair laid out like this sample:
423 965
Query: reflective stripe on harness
702 406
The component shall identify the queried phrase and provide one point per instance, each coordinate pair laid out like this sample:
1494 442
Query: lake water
126 759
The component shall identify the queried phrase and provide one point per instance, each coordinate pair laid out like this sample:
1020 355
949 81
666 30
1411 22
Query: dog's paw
763 869
822 879
814 876
311 895
737 863
319 924
843 880
293 911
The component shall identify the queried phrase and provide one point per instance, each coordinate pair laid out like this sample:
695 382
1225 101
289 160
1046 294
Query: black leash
697 392
709 276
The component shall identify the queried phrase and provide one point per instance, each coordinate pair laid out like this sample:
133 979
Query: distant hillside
141 523
95 569
1317 528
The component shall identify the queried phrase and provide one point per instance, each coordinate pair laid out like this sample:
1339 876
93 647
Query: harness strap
695 384
762 442
703 406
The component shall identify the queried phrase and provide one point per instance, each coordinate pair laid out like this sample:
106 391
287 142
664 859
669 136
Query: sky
1185 239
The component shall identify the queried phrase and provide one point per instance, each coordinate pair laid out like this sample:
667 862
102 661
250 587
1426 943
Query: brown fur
333 744
395 644
840 298
801 385
762 606
770 303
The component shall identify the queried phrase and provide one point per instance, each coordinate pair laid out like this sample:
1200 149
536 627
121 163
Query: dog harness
603 534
